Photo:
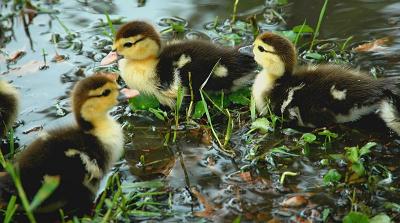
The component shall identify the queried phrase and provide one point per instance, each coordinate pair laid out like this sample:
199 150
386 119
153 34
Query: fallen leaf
58 58
206 137
246 176
374 46
30 67
34 129
295 201
16 56
209 209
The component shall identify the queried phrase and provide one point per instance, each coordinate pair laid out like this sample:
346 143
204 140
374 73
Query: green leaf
352 154
392 206
306 29
178 27
380 218
281 150
238 219
366 148
328 133
288 34
325 214
332 176
336 156
262 124
144 184
160 114
179 98
281 2
358 168
355 217
144 102
240 97
199 110
49 185
308 137
315 56
140 213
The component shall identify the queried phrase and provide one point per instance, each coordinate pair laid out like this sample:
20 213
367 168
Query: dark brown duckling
79 154
8 106
158 69
319 95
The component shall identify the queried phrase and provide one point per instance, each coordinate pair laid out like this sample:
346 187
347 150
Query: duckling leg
389 112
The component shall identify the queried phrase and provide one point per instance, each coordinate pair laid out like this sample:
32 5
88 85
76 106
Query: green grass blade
299 33
144 184
11 208
253 113
321 16
229 128
49 186
110 24
235 4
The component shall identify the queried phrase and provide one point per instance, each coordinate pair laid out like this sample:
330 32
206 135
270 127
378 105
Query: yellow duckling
80 154
319 95
159 70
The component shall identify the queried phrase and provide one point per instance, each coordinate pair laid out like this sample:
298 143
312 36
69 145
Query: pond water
234 186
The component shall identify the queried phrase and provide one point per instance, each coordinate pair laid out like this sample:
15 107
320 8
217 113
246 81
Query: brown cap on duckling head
83 91
134 28
283 48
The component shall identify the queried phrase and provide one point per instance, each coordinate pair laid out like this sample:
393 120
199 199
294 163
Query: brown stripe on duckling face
269 46
137 40
92 97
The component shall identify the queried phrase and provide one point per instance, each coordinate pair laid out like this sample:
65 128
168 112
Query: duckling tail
390 110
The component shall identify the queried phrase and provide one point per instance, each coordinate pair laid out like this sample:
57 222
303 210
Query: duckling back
198 58
8 106
326 94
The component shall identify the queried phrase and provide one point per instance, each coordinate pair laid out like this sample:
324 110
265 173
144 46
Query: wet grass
346 165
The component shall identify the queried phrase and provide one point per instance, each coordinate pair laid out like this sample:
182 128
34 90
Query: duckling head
274 53
94 96
135 40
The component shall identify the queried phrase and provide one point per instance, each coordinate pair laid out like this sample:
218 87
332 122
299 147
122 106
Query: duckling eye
261 49
128 44
106 92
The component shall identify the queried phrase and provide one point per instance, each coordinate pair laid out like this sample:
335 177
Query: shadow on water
192 167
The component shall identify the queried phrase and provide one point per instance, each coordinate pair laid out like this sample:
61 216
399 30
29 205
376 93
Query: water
192 162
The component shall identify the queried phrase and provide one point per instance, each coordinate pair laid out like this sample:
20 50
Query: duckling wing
198 58
329 94
76 157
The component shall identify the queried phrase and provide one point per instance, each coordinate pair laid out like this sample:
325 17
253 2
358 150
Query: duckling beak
125 94
110 58
247 50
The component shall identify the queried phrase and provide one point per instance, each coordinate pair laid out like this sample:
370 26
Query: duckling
80 154
319 95
8 106
159 70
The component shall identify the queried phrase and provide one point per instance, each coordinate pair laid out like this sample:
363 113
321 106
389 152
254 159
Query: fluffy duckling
159 70
8 106
319 95
80 154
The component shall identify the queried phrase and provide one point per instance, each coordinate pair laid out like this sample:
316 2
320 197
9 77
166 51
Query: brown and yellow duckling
319 95
8 107
157 69
80 154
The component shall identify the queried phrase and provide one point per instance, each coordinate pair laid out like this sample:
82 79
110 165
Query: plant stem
321 16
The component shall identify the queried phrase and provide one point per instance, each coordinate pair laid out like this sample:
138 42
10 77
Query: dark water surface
45 102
